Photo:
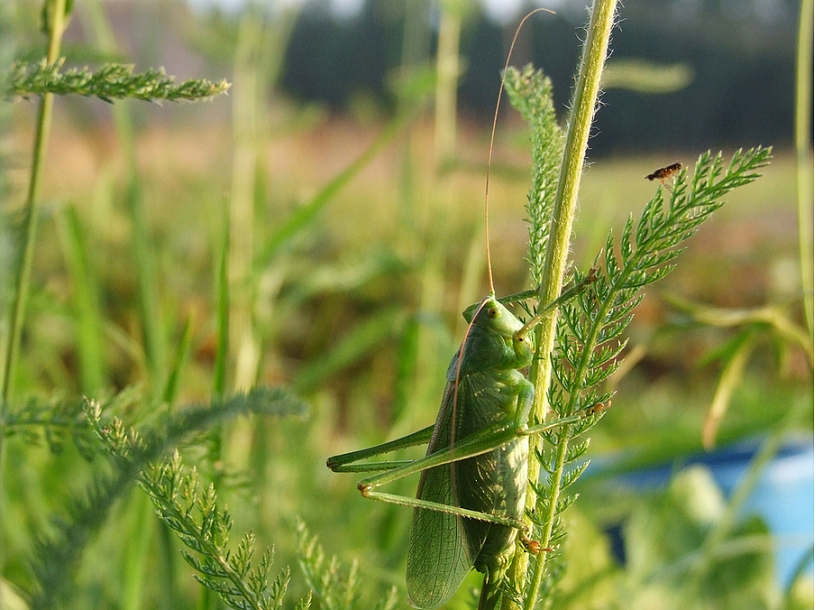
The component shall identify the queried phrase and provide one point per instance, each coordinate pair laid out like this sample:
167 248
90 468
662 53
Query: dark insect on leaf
665 172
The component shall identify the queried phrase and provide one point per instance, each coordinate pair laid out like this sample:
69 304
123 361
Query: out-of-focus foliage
363 249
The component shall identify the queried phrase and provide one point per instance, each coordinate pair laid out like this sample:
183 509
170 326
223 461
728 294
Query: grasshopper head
491 314
493 317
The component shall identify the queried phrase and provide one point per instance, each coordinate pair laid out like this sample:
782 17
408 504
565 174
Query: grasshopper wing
439 556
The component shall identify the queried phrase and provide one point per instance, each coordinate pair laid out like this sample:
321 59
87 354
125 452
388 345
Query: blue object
783 496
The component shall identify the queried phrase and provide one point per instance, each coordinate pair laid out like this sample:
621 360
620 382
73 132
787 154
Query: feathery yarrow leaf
109 82
530 92
58 552
206 530
590 327
572 476
51 421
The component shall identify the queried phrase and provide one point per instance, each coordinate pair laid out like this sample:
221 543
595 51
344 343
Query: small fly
665 172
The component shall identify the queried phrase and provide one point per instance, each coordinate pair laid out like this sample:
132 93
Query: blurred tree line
738 54
738 57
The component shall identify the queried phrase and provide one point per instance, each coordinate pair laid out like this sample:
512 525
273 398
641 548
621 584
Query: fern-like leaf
530 92
591 326
51 421
333 589
58 553
195 518
109 82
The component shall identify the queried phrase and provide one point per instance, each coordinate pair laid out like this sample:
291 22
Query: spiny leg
345 461
481 442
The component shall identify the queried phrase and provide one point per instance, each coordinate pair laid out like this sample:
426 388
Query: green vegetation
195 318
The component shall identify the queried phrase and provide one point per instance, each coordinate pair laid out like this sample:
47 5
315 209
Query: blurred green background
346 166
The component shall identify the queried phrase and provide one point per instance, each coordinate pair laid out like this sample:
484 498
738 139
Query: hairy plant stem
32 212
584 103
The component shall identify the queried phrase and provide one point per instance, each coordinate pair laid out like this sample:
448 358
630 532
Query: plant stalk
447 73
247 124
32 209
584 103
804 165
32 212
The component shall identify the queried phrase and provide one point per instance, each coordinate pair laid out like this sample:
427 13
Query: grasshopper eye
493 312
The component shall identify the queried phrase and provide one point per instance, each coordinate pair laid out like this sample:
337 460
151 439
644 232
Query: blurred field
360 312
391 240
350 293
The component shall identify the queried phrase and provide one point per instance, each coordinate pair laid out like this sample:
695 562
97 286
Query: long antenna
490 148
487 237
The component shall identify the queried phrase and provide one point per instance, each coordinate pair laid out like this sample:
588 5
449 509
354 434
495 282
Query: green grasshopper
473 479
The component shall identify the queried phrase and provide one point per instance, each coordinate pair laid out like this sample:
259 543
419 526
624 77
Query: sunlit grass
739 259
358 262
734 261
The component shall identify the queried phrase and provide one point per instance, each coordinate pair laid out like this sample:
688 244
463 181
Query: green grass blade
136 560
181 358
148 294
306 214
86 303
222 313
248 117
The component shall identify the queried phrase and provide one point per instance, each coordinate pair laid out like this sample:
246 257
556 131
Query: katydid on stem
473 479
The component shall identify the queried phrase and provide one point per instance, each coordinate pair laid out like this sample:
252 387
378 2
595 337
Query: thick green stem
566 200
583 109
